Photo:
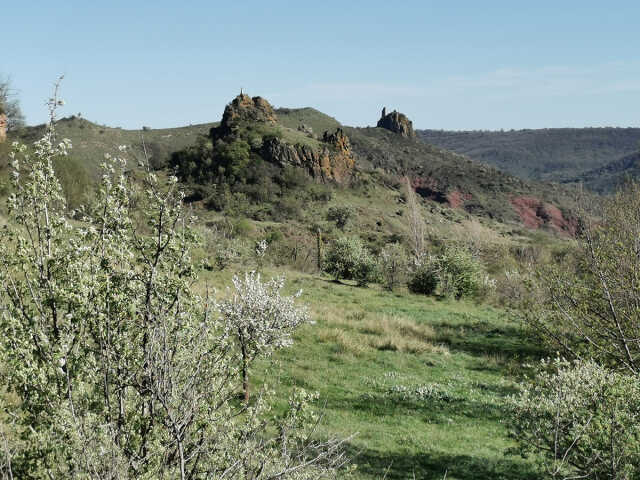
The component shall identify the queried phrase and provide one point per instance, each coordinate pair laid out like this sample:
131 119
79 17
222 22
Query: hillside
90 140
611 176
555 154
446 179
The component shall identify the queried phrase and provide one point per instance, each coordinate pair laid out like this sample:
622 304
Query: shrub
424 280
347 258
455 272
393 265
340 214
583 419
460 275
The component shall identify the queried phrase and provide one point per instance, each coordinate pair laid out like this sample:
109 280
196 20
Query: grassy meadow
421 382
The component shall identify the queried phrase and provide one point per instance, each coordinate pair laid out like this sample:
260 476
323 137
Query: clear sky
447 65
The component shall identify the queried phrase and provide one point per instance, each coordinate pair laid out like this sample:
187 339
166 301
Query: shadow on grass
435 411
486 339
433 465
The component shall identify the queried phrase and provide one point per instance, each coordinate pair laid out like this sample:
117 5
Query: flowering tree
591 300
114 367
582 418
260 319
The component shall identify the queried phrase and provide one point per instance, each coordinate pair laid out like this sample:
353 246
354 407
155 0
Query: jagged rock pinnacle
396 122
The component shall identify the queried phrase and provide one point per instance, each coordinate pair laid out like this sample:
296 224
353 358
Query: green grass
368 345
318 121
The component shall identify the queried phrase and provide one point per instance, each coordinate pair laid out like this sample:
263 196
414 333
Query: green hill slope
90 140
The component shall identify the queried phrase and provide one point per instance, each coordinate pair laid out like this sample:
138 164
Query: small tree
393 265
260 319
583 419
348 258
10 106
417 226
453 273
424 279
341 215
588 303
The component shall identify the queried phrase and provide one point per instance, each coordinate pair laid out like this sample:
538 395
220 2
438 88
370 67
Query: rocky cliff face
3 127
396 122
335 161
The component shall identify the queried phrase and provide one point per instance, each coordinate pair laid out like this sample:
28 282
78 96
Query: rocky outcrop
335 161
396 122
3 127
3 123
245 109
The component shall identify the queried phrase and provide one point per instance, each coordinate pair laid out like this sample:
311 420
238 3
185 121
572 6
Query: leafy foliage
583 418
459 274
424 279
588 302
340 214
455 272
393 265
348 258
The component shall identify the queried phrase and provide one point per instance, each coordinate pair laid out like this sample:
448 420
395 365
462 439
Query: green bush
582 419
455 272
340 214
460 275
424 280
347 258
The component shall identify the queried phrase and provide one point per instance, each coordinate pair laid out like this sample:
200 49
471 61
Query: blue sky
447 65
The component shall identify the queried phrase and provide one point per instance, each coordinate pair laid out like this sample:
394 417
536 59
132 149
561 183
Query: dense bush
583 419
460 275
454 273
424 280
348 258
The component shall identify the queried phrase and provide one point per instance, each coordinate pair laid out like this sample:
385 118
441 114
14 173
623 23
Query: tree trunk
319 247
245 375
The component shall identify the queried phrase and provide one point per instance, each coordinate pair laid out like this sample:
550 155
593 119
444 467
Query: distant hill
608 178
555 154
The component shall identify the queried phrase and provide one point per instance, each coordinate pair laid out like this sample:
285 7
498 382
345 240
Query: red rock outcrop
535 213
